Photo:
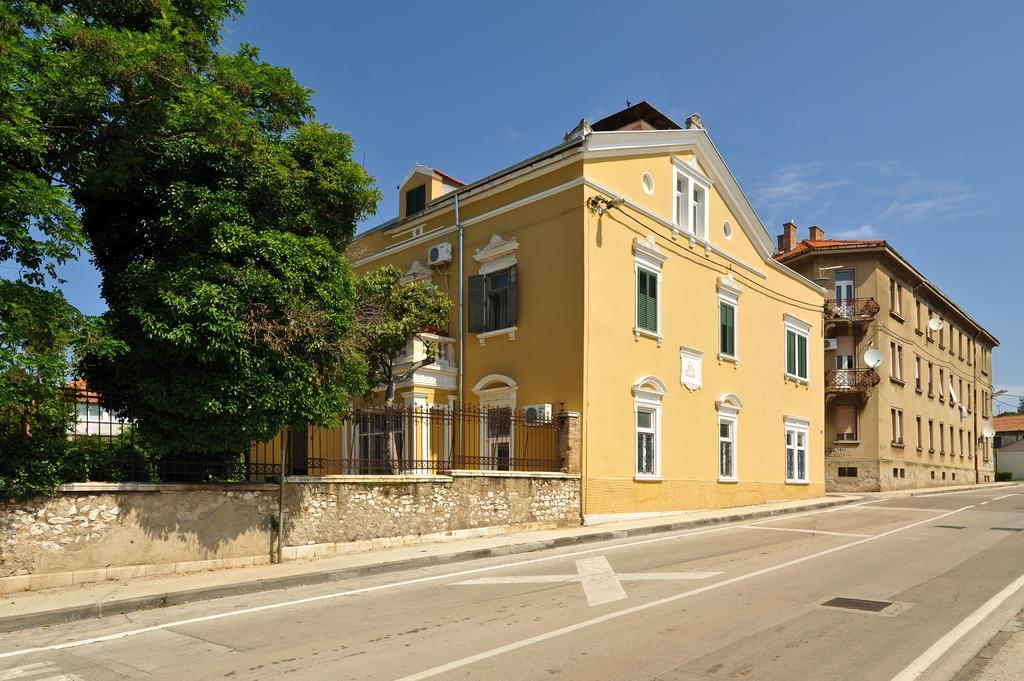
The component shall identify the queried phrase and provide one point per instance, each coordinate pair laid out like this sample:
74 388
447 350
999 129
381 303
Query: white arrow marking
600 582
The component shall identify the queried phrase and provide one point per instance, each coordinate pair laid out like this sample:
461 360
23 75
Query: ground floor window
847 472
796 450
727 448
647 394
499 438
380 440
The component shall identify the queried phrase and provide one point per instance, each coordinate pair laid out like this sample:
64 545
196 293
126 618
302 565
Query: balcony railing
417 351
851 309
851 380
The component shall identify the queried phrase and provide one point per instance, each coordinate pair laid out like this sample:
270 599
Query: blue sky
900 121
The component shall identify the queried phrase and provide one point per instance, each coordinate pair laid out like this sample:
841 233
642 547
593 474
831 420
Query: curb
128 605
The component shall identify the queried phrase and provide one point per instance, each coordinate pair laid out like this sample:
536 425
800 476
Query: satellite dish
988 431
963 413
873 358
934 323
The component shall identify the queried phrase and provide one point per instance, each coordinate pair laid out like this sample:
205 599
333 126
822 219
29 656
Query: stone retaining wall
94 531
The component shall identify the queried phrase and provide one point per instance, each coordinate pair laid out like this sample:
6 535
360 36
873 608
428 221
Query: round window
727 228
648 183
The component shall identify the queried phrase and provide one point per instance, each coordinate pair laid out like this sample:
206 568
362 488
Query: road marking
793 529
585 624
982 503
940 647
1005 496
896 508
36 668
391 585
601 584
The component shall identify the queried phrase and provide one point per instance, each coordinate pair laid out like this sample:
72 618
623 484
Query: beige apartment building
917 418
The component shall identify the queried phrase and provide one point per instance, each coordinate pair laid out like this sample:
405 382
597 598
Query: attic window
416 199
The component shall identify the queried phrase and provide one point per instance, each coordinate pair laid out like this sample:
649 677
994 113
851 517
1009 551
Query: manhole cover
857 604
952 527
1007 529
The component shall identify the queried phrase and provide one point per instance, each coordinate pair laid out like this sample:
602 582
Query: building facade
621 276
917 418
1009 444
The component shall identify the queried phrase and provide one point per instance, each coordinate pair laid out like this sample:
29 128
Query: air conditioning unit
831 343
537 414
439 254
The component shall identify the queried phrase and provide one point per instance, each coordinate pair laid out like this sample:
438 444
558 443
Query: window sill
797 379
919 450
798 482
918 391
647 478
941 346
730 481
931 451
919 332
931 396
897 381
846 442
897 445
930 339
897 316
728 358
639 333
509 331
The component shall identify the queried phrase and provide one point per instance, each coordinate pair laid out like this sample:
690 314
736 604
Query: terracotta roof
1008 423
449 178
825 244
81 390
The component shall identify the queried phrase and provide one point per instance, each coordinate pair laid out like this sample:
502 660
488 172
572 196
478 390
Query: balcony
849 315
851 381
419 349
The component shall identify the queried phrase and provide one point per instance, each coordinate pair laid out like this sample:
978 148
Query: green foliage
216 209
390 314
1004 476
41 338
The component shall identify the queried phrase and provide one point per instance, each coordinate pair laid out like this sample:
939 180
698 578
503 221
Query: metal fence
415 440
406 440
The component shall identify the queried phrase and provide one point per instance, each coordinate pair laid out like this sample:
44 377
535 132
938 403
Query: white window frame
797 426
896 416
728 413
504 394
647 256
692 180
729 293
647 395
800 328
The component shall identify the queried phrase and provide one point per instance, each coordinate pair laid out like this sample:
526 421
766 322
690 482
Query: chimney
787 240
817 233
694 122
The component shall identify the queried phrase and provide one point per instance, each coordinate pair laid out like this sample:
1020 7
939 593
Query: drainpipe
458 226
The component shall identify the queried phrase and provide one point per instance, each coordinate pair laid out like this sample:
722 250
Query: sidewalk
31 609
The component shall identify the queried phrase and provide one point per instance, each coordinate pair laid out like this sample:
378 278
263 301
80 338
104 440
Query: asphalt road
941 573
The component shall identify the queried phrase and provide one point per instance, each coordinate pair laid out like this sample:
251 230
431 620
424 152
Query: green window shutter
801 356
790 352
477 303
647 300
727 324
513 295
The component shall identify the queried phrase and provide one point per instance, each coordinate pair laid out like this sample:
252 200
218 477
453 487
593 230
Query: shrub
1004 476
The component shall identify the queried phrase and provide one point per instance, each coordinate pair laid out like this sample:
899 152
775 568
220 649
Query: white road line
982 503
897 508
391 585
793 529
1005 496
599 581
487 654
939 648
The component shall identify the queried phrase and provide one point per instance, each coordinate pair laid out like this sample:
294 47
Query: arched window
729 406
647 394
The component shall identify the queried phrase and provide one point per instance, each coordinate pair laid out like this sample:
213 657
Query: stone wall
94 531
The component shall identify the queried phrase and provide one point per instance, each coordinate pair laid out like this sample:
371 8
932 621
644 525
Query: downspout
458 226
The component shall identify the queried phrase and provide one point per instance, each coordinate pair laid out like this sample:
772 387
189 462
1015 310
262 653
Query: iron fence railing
415 440
852 309
399 440
843 380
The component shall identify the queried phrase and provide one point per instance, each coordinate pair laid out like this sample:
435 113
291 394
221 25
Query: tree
390 315
216 209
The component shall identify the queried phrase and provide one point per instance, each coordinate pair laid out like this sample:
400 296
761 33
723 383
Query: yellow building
621 275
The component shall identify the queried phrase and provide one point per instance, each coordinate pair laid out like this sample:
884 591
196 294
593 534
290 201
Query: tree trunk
391 420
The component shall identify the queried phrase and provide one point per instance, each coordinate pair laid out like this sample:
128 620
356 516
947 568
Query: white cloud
796 183
866 231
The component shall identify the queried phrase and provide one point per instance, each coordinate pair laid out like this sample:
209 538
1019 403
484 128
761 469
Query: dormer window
690 212
416 199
